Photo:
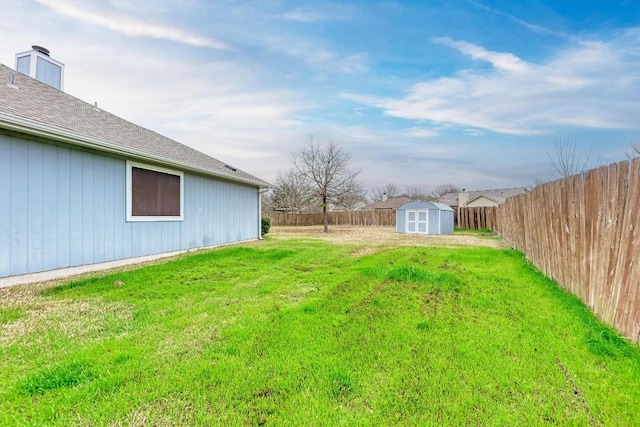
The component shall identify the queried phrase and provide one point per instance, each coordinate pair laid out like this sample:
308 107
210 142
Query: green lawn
301 331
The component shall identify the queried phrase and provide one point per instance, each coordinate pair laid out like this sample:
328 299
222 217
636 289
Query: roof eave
35 128
481 197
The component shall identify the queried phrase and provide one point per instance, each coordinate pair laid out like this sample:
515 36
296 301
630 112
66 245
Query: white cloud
589 85
302 15
420 132
128 25
500 61
318 13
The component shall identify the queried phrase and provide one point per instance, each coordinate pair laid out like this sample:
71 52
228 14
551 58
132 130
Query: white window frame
130 216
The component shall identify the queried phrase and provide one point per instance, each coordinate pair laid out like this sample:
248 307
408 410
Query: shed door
417 222
411 221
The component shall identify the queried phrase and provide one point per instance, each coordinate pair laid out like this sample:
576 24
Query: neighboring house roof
32 107
390 203
497 195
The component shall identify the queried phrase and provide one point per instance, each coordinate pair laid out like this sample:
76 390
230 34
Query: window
154 193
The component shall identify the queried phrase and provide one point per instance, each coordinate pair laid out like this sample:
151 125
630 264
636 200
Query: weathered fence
477 218
584 232
380 217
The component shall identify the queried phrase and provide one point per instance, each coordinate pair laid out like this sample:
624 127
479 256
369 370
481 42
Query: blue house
82 187
422 217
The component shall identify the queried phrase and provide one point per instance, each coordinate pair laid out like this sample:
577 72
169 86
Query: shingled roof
390 203
498 195
31 107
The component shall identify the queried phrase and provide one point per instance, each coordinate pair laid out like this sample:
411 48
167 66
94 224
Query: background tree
535 183
566 159
355 199
266 201
382 193
635 150
442 189
290 193
415 192
325 169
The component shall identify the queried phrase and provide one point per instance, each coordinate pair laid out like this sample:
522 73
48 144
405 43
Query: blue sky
420 93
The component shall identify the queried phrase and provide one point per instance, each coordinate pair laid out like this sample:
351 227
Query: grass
479 232
305 332
8 315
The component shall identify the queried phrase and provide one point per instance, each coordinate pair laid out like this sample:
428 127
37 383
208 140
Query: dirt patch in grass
81 319
375 237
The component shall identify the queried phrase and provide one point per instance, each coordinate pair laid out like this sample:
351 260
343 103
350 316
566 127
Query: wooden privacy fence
584 233
477 218
380 217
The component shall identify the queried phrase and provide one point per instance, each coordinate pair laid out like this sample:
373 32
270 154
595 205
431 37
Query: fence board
584 232
372 218
476 218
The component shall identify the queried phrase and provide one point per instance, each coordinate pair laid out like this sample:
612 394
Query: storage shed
422 217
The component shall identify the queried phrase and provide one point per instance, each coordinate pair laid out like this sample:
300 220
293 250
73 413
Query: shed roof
32 107
423 204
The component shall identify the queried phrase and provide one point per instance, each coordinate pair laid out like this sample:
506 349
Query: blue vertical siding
98 209
19 206
63 207
5 208
446 222
88 163
121 233
434 221
50 216
35 214
109 209
401 217
76 209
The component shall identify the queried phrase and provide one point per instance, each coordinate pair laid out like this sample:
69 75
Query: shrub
266 225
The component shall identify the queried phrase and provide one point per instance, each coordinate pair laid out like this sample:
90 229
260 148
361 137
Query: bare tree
354 199
535 183
382 193
566 159
416 192
325 169
635 150
442 189
290 193
266 202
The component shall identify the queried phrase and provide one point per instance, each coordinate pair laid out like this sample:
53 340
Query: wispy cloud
588 85
128 25
533 27
420 132
501 61
337 12
324 59
304 16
